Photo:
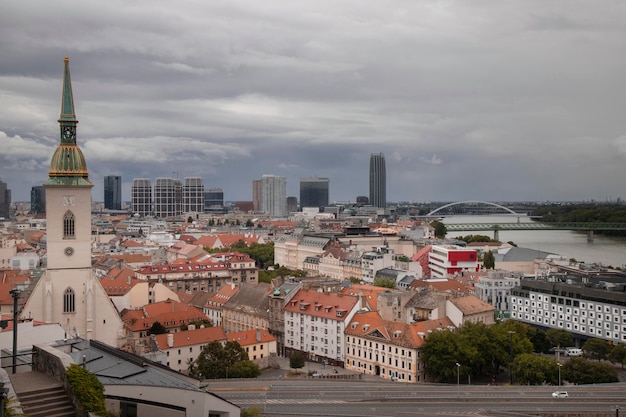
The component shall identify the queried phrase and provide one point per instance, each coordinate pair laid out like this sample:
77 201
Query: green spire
67 101
68 166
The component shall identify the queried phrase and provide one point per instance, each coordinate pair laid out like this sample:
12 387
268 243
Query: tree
249 223
558 338
618 354
583 371
384 282
489 261
530 369
596 349
296 360
189 219
227 361
440 229
157 328
251 412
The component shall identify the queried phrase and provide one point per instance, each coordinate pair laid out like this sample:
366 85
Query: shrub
88 390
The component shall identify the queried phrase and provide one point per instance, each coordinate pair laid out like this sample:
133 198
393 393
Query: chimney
170 340
258 334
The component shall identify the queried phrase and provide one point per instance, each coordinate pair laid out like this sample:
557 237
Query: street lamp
458 376
511 333
560 364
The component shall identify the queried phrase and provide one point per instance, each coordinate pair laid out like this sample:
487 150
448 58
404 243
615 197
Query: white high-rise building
141 197
193 195
274 195
168 197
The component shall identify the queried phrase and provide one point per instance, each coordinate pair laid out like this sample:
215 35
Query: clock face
68 200
69 251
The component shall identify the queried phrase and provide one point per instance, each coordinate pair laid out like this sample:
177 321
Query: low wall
53 363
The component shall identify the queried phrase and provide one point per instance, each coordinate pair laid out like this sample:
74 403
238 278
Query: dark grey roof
251 299
516 254
115 367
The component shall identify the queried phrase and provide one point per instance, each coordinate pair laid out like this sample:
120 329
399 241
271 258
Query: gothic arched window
69 301
68 225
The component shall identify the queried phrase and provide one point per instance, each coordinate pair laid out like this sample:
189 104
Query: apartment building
188 277
315 323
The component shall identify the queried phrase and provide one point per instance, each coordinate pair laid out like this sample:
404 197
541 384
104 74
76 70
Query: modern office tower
274 195
168 195
314 192
193 195
141 197
113 192
37 200
213 199
5 200
256 195
292 204
378 180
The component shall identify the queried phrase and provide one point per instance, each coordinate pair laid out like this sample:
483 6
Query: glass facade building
113 192
314 192
378 180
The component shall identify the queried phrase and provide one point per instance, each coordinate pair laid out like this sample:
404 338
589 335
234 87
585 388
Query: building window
68 225
69 300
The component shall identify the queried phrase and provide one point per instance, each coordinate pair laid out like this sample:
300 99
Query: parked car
560 394
316 373
554 350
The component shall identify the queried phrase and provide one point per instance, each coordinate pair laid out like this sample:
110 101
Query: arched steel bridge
473 207
478 207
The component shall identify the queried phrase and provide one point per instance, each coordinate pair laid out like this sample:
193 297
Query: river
605 250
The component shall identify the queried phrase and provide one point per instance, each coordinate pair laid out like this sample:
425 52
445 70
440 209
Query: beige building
69 293
388 349
469 309
259 344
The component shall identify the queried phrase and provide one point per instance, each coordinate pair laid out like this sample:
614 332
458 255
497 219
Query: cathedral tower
68 293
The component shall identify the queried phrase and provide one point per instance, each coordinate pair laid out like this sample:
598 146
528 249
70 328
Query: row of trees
482 352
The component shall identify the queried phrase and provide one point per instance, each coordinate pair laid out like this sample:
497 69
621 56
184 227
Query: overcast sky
488 100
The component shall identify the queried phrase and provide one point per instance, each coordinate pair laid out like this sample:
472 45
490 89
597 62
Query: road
315 397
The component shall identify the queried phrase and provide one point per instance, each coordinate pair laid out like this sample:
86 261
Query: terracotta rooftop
472 305
334 306
249 337
191 337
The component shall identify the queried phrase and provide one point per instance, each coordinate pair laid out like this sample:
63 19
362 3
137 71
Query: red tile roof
170 314
191 337
324 305
249 337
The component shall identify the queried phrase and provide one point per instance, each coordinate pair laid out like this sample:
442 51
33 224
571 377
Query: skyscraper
378 181
141 197
37 200
168 197
113 192
256 195
193 195
5 200
314 192
274 195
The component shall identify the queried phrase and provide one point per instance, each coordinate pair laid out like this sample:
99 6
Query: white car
560 394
